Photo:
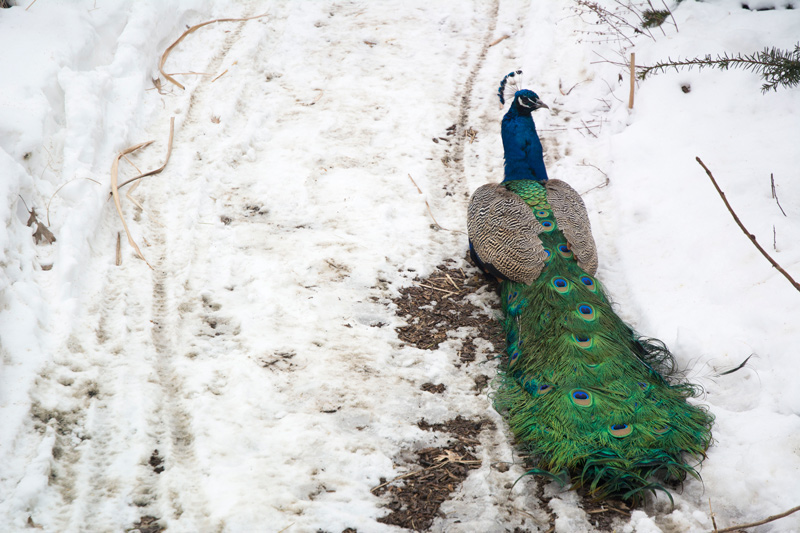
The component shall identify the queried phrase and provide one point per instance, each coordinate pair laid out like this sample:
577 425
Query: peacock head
527 101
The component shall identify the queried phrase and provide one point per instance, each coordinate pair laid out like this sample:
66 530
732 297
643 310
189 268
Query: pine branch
775 66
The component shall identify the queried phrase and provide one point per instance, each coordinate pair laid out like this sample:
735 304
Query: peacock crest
509 85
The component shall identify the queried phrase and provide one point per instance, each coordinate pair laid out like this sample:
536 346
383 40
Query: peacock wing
505 233
573 220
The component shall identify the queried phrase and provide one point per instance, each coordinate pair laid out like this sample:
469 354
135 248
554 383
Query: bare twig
774 193
675 22
501 39
429 209
29 5
218 77
453 282
166 160
187 32
437 288
749 235
415 184
713 516
115 194
759 523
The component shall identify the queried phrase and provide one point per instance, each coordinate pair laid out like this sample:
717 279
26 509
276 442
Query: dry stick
633 79
187 32
762 522
166 160
749 235
501 39
774 193
453 282
29 5
115 194
429 209
218 77
713 516
774 239
671 15
436 288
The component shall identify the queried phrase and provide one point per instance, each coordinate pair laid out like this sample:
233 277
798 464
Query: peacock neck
522 147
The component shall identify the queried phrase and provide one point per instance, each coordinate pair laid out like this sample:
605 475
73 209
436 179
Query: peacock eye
512 295
581 398
661 430
584 341
589 282
586 312
542 213
620 430
561 285
543 389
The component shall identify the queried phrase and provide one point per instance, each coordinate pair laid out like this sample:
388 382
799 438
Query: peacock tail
586 397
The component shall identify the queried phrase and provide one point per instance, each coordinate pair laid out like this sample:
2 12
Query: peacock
591 402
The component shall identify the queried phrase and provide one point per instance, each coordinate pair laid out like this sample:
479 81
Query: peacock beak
539 104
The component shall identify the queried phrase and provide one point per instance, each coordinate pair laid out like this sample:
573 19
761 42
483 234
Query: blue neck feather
523 150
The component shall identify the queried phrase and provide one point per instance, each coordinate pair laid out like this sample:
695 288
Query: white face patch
523 100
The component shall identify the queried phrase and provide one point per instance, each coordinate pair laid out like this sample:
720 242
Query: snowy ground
251 354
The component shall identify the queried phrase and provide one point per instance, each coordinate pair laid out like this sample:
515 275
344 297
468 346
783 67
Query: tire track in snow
466 103
177 495
111 395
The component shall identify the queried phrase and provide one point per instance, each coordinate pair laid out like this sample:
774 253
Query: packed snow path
252 380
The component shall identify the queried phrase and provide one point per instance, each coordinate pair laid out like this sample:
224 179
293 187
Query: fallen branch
741 226
187 32
115 194
166 160
759 523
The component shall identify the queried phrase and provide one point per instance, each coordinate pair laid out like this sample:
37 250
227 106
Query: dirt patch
157 462
433 389
439 303
147 524
415 498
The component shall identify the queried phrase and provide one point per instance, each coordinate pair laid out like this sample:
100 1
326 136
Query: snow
259 354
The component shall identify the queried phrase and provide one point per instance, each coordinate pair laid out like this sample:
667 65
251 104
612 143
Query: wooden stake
119 250
633 79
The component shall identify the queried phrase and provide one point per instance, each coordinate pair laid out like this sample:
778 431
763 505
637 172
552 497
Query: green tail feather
582 392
